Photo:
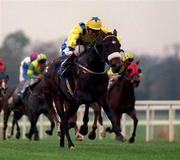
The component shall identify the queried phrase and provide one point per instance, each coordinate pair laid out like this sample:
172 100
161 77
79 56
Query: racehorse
32 105
86 83
122 96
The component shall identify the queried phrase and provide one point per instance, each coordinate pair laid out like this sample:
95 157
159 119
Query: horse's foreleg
92 134
18 133
64 120
50 132
84 128
16 117
135 123
36 133
7 113
110 114
65 116
33 119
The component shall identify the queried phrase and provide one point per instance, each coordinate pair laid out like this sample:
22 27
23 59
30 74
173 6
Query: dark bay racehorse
88 81
122 96
32 105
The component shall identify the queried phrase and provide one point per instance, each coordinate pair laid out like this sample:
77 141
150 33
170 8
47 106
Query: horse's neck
92 61
125 85
37 87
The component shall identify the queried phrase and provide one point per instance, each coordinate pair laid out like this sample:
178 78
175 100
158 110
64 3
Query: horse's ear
115 32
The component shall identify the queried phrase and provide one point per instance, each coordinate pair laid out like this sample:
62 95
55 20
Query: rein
92 72
96 50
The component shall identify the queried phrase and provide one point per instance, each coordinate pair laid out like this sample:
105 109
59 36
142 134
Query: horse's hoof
61 143
92 135
83 130
121 138
36 137
131 140
8 137
58 133
28 136
18 135
71 147
109 130
48 132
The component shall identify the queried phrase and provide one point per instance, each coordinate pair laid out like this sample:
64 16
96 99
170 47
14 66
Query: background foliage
160 79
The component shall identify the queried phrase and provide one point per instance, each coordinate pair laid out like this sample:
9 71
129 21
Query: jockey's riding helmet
41 58
127 56
94 23
33 56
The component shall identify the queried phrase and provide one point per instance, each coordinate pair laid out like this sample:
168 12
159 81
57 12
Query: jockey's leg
72 55
22 92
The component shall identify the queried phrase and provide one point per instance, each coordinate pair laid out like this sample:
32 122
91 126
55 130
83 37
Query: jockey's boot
21 93
68 62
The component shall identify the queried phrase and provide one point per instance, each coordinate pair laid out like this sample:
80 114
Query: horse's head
109 48
134 73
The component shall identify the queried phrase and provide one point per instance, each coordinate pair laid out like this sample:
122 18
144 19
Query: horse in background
122 96
88 81
32 105
3 87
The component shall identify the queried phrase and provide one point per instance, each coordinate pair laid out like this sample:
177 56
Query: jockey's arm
30 72
25 68
74 36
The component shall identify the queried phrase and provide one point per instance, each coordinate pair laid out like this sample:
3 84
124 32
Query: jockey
81 35
127 58
2 65
34 73
2 70
25 64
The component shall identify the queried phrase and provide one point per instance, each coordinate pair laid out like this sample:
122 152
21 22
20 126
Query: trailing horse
86 83
122 96
32 105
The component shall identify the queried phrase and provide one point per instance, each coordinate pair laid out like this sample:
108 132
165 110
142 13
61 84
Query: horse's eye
139 71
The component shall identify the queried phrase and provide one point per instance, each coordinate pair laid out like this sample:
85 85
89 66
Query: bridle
86 70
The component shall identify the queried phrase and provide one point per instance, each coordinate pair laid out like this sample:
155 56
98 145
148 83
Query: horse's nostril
116 69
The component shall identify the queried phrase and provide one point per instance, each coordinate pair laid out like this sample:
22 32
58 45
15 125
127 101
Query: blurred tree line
160 79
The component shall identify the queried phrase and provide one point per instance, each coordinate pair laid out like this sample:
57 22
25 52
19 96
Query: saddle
65 86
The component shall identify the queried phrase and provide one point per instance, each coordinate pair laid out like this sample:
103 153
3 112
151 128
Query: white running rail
147 109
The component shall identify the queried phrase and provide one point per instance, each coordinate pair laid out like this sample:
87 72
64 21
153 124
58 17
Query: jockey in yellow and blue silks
81 35
34 73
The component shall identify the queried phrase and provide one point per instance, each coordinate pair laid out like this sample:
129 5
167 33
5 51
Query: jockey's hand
114 79
40 76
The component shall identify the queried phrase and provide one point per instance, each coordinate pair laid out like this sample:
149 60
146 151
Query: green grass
107 149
